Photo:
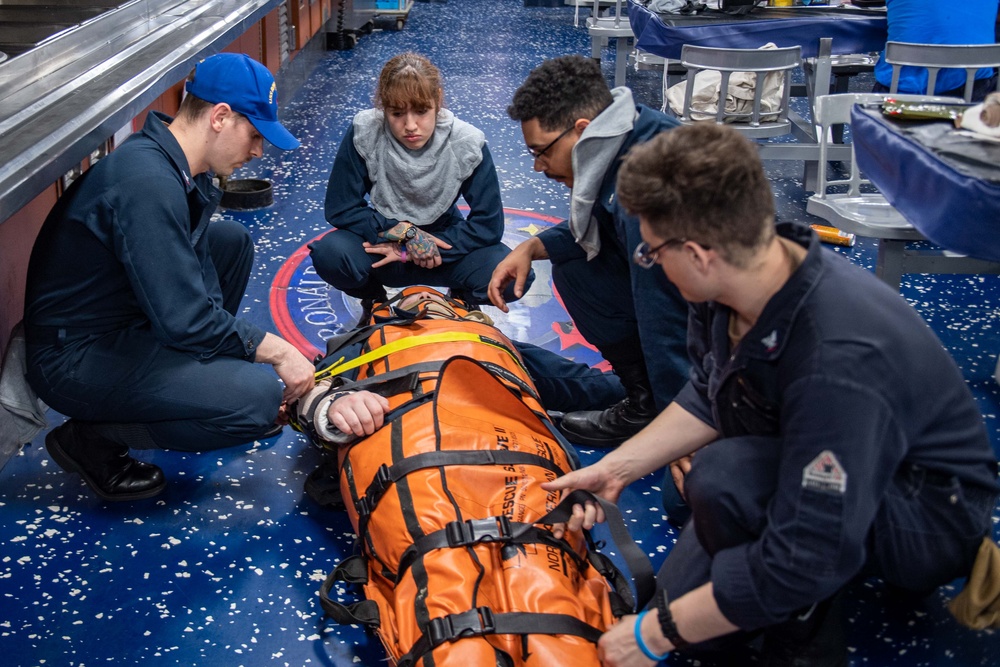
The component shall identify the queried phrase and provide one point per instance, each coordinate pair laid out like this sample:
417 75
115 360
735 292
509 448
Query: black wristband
667 625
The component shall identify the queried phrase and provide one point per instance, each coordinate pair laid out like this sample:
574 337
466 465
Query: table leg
818 84
621 60
889 262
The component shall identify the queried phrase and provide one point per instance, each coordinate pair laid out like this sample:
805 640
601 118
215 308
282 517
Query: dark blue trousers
614 303
565 385
341 260
130 377
926 531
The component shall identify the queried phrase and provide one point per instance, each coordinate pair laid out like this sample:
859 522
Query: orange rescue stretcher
457 559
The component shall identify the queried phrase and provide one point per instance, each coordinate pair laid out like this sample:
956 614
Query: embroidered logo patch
824 473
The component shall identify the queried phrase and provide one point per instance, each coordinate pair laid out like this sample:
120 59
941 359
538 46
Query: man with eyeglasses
822 456
577 130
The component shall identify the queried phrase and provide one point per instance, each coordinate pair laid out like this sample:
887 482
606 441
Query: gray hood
593 156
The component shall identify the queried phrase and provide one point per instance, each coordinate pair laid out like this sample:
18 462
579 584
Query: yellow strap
341 366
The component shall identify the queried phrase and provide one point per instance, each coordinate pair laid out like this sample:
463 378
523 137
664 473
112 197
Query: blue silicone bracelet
641 644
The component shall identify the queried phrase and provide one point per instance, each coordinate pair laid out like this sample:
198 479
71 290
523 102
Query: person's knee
729 487
339 259
263 398
715 474
231 247
229 232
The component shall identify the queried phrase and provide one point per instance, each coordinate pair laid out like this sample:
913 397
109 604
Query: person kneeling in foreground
130 310
822 456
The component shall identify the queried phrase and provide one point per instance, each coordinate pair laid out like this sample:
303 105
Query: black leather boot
817 639
615 425
104 464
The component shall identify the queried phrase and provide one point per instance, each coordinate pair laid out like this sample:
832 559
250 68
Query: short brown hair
409 80
703 182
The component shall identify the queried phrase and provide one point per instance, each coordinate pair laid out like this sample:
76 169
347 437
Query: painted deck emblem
307 311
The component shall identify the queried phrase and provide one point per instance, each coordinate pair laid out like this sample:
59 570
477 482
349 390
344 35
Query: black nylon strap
621 596
364 612
387 475
482 621
337 343
638 563
496 529
502 373
387 384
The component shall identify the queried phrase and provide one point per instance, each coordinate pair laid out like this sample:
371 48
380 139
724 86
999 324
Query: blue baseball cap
248 88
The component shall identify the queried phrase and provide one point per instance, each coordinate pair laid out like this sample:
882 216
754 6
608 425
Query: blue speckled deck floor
224 567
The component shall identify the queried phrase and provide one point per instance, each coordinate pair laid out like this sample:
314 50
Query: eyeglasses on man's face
539 153
645 256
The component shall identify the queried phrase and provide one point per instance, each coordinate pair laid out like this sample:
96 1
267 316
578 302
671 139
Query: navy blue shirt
126 247
836 362
347 205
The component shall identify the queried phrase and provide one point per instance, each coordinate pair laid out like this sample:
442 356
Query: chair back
760 62
936 57
617 15
836 110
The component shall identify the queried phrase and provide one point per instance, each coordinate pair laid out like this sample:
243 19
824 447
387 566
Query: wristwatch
667 625
410 233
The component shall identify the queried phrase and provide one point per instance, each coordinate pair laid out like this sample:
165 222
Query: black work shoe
815 640
605 428
104 465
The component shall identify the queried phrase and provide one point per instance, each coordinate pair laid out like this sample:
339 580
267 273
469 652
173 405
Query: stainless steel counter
64 94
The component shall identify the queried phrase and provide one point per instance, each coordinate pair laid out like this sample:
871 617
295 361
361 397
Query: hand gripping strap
638 563
482 621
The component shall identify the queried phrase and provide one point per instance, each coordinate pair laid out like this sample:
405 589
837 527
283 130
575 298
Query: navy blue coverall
849 444
612 301
131 301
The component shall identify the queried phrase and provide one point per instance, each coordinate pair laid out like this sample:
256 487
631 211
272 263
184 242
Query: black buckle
472 623
383 478
364 506
366 503
472 531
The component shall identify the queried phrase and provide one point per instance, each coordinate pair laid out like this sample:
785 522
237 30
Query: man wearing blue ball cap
132 298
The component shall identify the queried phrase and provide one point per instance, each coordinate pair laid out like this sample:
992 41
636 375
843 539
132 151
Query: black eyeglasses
645 256
537 154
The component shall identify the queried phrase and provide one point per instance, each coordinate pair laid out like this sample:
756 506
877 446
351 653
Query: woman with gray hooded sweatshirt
393 194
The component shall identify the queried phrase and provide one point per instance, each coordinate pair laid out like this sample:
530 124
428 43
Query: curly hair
409 80
703 182
561 90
